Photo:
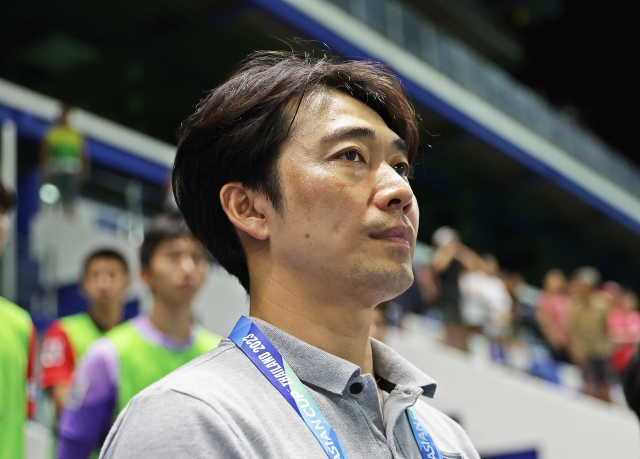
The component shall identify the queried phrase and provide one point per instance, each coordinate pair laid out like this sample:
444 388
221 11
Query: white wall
505 410
221 302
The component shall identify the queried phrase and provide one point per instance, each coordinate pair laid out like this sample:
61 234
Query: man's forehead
182 242
102 263
334 115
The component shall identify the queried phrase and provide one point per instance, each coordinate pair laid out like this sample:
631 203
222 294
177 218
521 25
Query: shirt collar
326 371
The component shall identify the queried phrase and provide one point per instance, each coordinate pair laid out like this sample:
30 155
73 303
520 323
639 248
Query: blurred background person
486 303
140 351
524 298
105 283
449 260
497 299
588 327
64 160
553 310
380 322
624 328
474 309
18 343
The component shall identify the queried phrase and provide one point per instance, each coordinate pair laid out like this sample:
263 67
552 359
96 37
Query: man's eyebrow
401 145
349 133
360 133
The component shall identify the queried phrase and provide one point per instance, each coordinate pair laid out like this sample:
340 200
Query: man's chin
384 280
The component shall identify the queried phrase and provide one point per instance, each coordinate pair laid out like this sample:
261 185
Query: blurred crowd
578 320
86 366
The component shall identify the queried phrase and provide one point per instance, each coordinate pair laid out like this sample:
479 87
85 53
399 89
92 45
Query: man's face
176 271
105 282
349 219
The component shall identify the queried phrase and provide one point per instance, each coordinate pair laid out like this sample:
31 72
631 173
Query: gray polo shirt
221 406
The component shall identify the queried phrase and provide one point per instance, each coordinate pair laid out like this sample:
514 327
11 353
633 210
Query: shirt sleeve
87 417
57 357
166 424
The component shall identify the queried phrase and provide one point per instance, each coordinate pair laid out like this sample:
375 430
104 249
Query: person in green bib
143 350
105 283
64 160
17 350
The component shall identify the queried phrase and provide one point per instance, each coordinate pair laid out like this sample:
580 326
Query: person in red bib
105 282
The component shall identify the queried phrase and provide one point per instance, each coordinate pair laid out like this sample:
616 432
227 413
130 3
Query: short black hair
7 199
237 132
161 229
106 253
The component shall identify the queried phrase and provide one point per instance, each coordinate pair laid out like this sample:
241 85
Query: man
141 351
64 160
294 173
105 282
624 328
17 352
590 345
449 260
553 311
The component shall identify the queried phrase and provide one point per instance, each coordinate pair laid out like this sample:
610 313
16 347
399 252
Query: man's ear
245 209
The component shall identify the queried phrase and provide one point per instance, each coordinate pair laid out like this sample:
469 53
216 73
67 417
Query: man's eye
402 169
351 155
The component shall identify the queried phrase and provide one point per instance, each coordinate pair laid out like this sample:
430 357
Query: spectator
473 307
449 260
590 345
141 351
64 160
486 301
105 282
624 328
17 352
524 299
611 292
553 311
380 322
497 299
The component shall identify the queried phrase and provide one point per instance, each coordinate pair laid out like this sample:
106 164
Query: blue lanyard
427 446
272 365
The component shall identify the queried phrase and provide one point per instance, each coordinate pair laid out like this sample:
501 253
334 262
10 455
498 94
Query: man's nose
104 281
188 264
394 191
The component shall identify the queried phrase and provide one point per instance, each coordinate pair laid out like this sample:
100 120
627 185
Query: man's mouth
400 234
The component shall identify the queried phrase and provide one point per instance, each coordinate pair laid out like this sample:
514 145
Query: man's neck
174 321
339 329
106 316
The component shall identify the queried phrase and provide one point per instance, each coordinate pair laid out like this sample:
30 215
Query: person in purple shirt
141 351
